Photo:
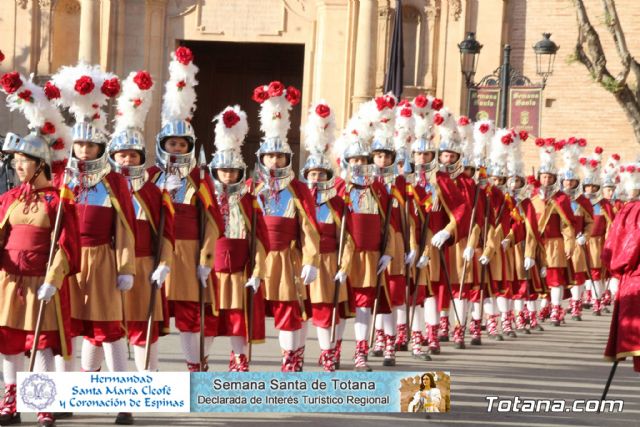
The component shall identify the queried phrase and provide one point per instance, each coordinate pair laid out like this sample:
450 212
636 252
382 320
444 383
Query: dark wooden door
228 74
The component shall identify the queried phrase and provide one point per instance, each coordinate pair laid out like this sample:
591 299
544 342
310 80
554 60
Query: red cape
621 252
152 197
121 192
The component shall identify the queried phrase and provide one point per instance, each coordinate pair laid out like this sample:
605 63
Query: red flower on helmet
184 55
583 161
540 142
275 89
143 80
507 139
58 144
437 104
582 142
438 119
260 94
572 140
230 118
51 91
463 121
11 82
84 85
25 95
111 87
403 103
484 128
137 102
631 168
616 156
48 128
598 150
293 96
181 84
390 100
96 106
524 135
593 163
381 103
406 112
420 101
96 116
323 110
1 56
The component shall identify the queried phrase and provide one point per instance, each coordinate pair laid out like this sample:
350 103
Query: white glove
614 282
505 243
543 272
422 262
341 277
253 283
160 275
581 239
528 263
468 253
383 263
484 260
173 182
46 292
203 274
125 282
309 274
410 257
440 238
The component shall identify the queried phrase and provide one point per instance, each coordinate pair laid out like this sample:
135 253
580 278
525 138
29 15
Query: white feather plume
404 127
515 158
274 117
448 129
611 169
133 104
179 100
466 136
230 138
499 149
482 140
571 155
319 131
423 118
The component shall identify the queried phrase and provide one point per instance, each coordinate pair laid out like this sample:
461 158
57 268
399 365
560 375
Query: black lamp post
545 51
469 52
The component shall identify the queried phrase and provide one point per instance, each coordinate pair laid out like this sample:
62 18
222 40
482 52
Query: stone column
364 79
88 48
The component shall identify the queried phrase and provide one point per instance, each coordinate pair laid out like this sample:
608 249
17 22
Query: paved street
559 363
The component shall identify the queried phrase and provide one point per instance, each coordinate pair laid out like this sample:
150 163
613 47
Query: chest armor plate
281 204
363 201
93 196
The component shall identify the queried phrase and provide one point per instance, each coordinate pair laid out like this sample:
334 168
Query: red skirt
624 333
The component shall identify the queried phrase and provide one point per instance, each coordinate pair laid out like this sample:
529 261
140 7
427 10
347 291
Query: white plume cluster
179 100
231 129
483 132
319 130
274 117
134 102
465 130
515 156
611 169
499 148
571 152
447 125
404 127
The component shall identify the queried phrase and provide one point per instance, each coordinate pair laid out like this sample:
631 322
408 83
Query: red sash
579 223
552 230
96 225
186 222
281 232
366 231
27 250
231 255
328 240
599 226
144 241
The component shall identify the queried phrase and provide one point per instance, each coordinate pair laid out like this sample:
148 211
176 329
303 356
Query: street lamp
545 51
469 52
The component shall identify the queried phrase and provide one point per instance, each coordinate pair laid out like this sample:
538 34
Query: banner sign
484 103
525 108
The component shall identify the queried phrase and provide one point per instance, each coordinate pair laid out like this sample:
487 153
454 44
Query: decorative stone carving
70 7
22 4
456 8
45 4
432 10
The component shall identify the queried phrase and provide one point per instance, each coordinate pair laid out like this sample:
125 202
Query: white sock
503 305
287 340
389 323
44 361
91 357
238 345
324 338
518 305
489 306
444 313
556 295
379 324
543 303
139 356
476 311
588 285
416 326
70 364
461 309
531 305
115 355
431 311
208 342
190 342
597 287
361 325
11 364
576 292
340 327
401 314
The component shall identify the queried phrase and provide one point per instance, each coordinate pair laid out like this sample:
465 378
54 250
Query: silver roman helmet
591 172
34 145
498 154
449 141
230 131
571 151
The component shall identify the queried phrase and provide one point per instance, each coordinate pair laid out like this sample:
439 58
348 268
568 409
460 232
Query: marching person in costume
621 256
610 192
525 240
555 224
289 209
367 210
583 216
450 161
127 156
235 282
602 219
197 218
318 174
384 171
28 215
424 164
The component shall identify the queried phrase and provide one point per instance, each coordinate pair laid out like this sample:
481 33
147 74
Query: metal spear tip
202 158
